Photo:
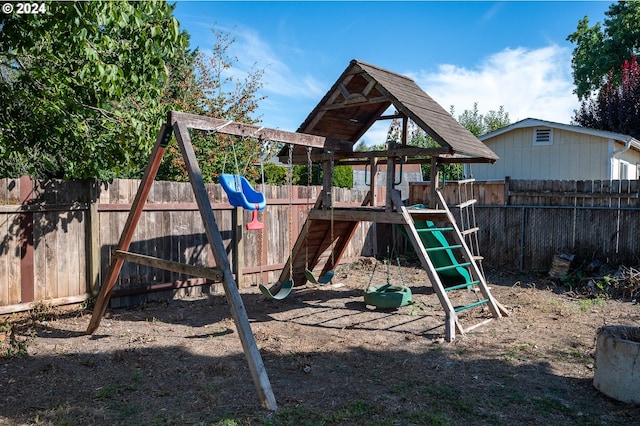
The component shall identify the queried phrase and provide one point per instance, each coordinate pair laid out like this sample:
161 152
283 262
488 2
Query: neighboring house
538 149
405 174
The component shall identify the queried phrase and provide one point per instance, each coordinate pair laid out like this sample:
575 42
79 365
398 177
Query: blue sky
511 53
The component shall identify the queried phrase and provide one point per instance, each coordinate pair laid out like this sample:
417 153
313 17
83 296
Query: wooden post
373 195
507 179
327 184
391 177
256 366
238 244
27 278
373 182
434 182
93 239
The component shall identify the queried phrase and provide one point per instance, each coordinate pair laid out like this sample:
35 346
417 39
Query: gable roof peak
362 95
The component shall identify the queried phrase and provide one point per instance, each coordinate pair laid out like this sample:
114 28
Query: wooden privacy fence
524 223
57 237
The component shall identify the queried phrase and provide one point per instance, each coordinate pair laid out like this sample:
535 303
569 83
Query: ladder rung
459 286
434 229
473 305
454 247
470 231
467 203
448 267
478 257
426 211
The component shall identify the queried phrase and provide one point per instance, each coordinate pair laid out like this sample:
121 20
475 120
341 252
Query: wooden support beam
434 182
391 177
210 124
373 181
213 274
361 101
360 214
93 240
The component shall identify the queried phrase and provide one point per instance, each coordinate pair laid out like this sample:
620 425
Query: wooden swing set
179 125
360 97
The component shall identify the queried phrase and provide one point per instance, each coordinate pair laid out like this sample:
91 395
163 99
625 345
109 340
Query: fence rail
518 192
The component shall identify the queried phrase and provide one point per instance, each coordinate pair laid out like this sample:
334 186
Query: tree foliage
600 49
278 175
479 124
210 89
83 86
90 83
617 106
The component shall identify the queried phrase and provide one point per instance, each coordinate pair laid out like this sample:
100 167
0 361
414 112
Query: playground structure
362 95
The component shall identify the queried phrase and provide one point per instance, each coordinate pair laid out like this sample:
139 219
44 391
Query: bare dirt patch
330 359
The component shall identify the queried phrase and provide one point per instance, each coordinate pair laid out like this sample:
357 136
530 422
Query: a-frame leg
256 366
130 226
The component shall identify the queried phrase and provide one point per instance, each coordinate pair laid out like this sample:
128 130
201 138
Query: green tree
361 147
601 49
617 107
210 89
84 85
479 124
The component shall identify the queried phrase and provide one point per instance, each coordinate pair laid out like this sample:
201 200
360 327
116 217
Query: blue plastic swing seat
241 193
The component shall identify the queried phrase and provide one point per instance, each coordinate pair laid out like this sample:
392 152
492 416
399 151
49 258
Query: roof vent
543 136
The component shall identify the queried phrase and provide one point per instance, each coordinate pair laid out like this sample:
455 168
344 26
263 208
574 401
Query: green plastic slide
442 258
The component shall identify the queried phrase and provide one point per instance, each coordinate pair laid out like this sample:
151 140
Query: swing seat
325 279
241 193
283 292
388 296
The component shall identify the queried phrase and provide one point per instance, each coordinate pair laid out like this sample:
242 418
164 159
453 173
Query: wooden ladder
467 214
437 272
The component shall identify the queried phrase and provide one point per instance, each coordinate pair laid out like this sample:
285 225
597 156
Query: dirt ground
330 359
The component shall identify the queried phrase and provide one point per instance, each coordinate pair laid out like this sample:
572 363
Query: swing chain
306 235
333 261
290 179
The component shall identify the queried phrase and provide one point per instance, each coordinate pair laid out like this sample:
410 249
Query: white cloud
528 83
284 89
251 50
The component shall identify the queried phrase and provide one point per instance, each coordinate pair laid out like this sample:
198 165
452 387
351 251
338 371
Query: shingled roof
362 95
